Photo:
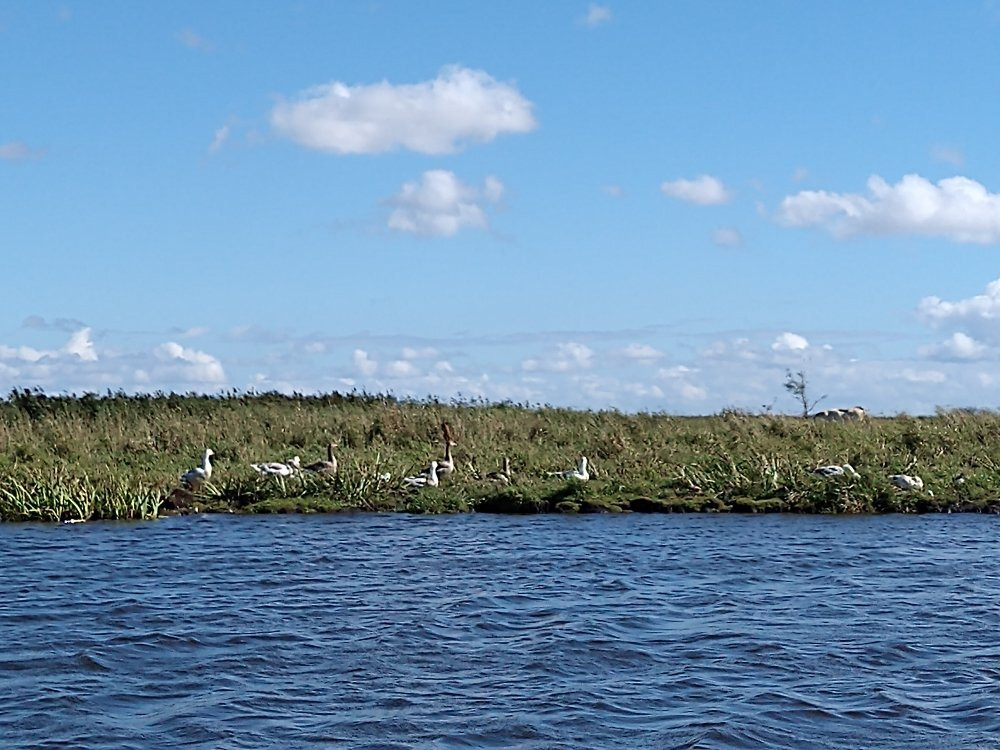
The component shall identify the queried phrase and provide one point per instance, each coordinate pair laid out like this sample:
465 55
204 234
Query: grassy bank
118 456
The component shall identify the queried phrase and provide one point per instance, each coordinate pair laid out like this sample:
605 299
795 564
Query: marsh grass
119 457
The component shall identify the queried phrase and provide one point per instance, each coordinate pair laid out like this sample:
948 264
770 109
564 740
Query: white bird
907 482
329 466
194 478
580 472
428 478
835 471
278 468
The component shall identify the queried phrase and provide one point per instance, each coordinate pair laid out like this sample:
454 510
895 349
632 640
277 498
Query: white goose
194 478
428 478
580 472
835 471
278 468
329 466
907 481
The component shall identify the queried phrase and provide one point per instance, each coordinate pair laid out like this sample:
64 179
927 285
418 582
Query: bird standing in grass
446 465
580 472
194 478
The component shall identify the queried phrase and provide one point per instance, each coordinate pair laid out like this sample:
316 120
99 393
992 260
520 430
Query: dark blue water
393 631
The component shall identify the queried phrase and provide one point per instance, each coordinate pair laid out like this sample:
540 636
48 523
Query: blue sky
641 206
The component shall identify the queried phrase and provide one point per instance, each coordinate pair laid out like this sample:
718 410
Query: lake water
477 631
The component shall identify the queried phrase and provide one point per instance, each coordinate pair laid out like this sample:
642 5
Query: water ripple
372 631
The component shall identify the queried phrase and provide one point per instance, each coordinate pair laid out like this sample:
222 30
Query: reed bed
119 456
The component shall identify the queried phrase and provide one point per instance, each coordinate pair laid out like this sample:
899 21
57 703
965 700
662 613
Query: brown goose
329 466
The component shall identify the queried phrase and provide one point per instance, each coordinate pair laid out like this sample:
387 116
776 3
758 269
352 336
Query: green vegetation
118 456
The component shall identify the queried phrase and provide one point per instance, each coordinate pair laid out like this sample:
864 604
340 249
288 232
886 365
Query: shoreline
120 457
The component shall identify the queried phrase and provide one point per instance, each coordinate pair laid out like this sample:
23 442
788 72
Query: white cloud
401 368
596 15
23 353
789 342
566 357
958 346
800 174
958 208
433 117
727 237
188 364
615 191
982 308
704 190
440 205
80 345
693 392
364 363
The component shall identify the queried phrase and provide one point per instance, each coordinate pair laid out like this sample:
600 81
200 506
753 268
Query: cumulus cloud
973 320
789 342
727 237
596 15
460 106
566 356
704 190
959 346
401 368
441 204
81 346
22 353
958 208
364 363
976 309
188 365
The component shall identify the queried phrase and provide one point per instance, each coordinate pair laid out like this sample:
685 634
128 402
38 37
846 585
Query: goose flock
194 479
